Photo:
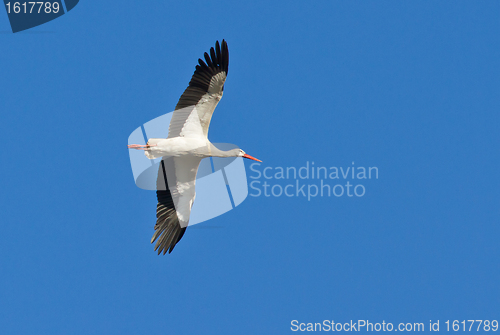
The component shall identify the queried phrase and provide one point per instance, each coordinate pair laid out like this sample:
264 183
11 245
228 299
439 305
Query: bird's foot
140 146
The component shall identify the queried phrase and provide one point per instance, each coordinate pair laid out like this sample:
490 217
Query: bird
185 146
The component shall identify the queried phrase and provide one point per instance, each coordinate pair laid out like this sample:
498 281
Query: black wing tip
224 55
170 242
217 60
168 231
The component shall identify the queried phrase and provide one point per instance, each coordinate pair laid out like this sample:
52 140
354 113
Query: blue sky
411 88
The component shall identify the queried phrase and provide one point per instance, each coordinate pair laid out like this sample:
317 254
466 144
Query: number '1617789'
32 7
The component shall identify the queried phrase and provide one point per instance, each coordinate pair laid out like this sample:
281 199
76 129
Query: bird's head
244 155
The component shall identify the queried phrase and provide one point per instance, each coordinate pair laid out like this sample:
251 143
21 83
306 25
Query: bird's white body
178 146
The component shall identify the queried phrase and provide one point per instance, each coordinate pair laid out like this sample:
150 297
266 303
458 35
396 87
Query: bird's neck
216 152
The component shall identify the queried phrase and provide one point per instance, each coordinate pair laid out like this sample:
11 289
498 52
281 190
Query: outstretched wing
176 192
194 110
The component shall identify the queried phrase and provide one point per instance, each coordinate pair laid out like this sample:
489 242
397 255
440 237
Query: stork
186 145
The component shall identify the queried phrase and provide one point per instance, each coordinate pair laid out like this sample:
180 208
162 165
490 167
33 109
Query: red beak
250 157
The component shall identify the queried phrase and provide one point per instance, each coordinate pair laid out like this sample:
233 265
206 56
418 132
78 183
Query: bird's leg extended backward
140 146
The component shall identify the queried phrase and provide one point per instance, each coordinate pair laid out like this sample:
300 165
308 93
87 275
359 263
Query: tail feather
149 153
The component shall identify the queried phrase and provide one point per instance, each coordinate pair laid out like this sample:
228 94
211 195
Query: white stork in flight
186 145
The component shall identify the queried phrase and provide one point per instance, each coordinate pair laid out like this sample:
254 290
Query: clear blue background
411 87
